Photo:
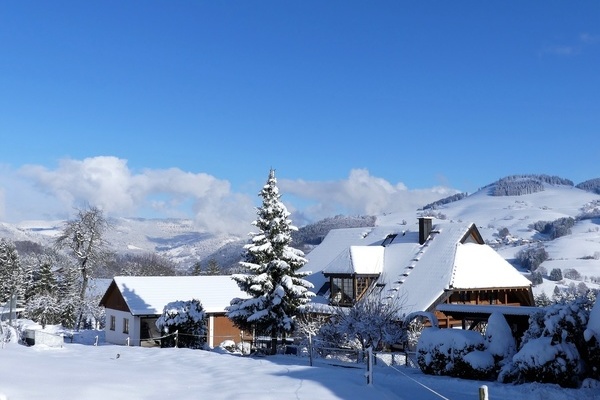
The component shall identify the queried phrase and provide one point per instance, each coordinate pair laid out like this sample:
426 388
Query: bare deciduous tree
83 236
375 320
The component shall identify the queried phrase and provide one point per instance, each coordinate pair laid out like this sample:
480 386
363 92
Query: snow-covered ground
81 370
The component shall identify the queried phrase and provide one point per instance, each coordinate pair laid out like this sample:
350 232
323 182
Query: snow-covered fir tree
42 304
276 288
12 274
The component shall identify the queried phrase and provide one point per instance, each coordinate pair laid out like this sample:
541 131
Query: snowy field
82 371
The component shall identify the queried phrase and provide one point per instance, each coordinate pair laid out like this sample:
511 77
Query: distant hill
305 239
511 214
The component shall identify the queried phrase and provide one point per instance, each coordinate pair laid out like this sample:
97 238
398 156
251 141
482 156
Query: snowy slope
580 250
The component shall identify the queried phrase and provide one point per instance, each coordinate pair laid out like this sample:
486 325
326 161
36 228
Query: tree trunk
84 285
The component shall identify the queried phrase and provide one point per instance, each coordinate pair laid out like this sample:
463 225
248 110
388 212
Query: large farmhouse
133 304
424 268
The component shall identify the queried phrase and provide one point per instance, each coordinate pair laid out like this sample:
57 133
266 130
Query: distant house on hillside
425 268
133 304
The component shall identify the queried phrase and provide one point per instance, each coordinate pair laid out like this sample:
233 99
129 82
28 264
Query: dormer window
348 289
389 239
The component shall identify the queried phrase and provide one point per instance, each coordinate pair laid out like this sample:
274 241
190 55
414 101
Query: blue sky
179 108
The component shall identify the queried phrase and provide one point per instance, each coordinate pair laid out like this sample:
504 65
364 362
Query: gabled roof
479 266
453 257
364 260
148 295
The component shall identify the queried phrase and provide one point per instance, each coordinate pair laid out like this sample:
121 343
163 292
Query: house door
149 334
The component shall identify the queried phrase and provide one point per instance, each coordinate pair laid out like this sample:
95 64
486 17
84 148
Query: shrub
188 319
554 229
454 352
536 278
532 256
572 273
541 360
501 343
553 347
555 275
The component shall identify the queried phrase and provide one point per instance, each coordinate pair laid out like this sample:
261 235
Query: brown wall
225 330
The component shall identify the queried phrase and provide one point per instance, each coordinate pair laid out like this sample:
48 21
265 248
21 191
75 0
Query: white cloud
589 38
108 183
360 194
572 49
38 192
561 50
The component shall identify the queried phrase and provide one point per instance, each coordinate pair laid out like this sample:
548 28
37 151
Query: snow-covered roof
478 266
488 309
367 260
148 295
417 274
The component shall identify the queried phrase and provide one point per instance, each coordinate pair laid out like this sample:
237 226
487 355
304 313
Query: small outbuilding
134 303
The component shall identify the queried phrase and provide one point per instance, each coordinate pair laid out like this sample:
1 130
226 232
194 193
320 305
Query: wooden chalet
433 265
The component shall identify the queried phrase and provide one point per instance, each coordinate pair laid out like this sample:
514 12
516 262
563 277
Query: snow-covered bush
188 319
8 334
536 278
556 275
501 343
454 352
532 256
45 309
372 321
553 347
542 360
592 337
332 335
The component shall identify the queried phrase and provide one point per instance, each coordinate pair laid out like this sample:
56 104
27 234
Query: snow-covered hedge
561 345
592 337
554 348
454 352
541 360
188 319
500 341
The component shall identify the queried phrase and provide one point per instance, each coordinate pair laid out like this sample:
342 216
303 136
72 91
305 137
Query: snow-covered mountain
542 199
174 239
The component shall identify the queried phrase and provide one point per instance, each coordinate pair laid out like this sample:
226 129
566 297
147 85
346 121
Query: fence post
483 393
96 341
177 338
310 349
369 373
127 340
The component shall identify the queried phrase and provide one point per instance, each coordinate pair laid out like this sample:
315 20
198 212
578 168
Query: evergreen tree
212 268
46 280
12 275
197 269
276 288
42 298
69 289
556 274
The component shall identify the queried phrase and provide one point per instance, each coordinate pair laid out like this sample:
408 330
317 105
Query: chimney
424 228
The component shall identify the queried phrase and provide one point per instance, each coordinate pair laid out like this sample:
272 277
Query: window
342 291
345 290
389 239
125 325
113 322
